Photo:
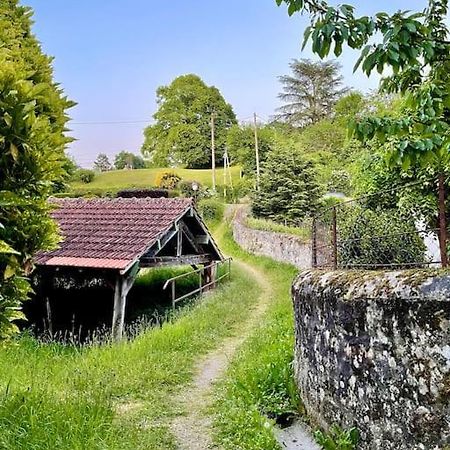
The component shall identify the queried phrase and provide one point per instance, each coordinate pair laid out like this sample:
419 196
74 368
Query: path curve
193 430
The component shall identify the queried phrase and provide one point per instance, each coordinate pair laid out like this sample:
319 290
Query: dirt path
193 430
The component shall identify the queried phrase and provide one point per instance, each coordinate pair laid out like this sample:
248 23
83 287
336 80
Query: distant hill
116 180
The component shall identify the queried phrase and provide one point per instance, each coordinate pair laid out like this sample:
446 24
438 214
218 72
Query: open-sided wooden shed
114 238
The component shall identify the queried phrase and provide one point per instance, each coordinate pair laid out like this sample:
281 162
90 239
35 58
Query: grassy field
145 178
115 396
269 225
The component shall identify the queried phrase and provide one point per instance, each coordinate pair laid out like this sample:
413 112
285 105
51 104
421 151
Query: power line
111 122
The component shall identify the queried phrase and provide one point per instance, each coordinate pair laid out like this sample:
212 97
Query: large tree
32 155
128 160
310 92
181 135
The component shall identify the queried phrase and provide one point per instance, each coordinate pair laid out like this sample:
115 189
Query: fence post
314 243
173 294
334 237
442 222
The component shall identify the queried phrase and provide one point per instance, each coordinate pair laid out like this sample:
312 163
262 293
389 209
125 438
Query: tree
241 145
32 156
415 47
311 92
288 188
102 163
181 135
128 160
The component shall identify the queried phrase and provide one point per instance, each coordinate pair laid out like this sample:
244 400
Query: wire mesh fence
394 228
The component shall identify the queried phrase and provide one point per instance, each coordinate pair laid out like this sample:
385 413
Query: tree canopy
102 163
128 160
32 155
310 92
415 47
181 135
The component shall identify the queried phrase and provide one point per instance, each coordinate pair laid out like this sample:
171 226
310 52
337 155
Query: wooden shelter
113 238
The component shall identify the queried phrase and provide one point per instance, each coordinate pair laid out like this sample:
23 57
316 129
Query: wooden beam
191 238
202 239
123 285
183 260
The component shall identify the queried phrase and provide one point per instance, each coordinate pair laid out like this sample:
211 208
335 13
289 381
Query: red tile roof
110 233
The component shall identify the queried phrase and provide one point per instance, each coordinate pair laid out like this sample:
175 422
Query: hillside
143 178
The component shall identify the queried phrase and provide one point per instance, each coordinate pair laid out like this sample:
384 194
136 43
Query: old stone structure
279 246
373 351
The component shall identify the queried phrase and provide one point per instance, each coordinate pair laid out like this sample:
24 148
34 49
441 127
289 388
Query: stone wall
373 351
278 246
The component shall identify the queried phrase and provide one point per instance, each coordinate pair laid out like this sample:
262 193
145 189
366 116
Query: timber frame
186 241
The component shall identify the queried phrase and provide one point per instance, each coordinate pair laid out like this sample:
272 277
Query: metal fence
383 230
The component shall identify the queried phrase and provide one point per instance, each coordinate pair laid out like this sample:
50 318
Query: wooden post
213 152
120 298
256 151
334 238
442 222
209 276
49 315
314 243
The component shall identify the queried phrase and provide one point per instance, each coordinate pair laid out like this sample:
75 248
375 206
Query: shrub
143 193
211 210
377 238
167 180
84 175
186 189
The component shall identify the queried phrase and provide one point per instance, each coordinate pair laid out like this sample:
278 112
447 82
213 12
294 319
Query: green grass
269 225
114 396
116 180
259 384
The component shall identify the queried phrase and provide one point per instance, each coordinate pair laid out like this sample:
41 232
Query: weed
338 439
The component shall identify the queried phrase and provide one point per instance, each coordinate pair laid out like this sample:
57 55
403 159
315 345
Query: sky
111 55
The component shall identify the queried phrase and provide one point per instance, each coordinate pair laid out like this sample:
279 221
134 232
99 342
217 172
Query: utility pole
256 151
213 152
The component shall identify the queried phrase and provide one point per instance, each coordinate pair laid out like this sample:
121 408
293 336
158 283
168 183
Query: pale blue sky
111 55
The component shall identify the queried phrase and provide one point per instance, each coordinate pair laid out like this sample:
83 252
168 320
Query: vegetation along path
193 430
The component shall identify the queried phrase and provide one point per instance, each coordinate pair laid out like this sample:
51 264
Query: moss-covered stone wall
373 351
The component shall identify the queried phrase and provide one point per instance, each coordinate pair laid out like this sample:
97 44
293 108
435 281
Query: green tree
181 135
128 160
415 47
310 92
32 155
241 145
288 188
102 163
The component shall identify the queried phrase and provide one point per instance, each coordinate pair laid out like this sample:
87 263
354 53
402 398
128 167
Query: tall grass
113 396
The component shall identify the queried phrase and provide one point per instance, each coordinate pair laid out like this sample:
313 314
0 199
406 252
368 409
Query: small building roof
112 233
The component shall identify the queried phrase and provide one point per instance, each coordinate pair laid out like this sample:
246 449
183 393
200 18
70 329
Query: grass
114 396
269 225
259 385
116 180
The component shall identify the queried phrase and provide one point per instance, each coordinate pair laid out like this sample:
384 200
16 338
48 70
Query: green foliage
167 180
187 190
182 133
84 175
102 164
127 160
288 188
241 146
338 439
32 155
377 238
269 225
339 182
311 92
414 46
211 209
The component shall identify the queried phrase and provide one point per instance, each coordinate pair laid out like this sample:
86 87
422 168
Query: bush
211 210
143 193
167 180
186 190
374 239
84 175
